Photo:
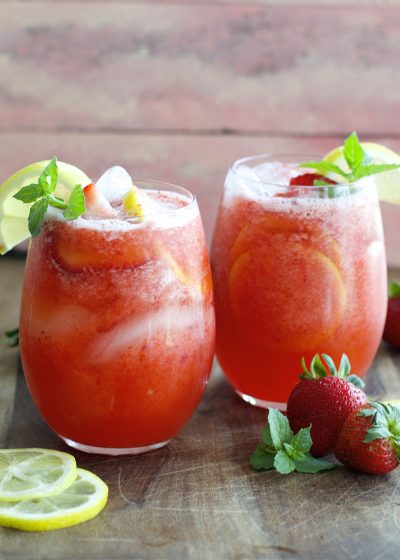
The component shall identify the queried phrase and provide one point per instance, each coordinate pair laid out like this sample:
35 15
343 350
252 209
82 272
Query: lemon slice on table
83 500
388 182
14 213
32 473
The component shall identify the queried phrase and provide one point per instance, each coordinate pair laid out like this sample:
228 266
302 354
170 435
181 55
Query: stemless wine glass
297 271
117 324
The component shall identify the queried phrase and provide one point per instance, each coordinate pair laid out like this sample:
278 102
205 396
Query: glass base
262 404
113 450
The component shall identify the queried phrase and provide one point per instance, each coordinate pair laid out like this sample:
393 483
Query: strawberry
392 326
96 203
369 440
323 398
307 180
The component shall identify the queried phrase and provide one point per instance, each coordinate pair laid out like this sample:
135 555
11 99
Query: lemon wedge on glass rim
388 182
14 213
81 501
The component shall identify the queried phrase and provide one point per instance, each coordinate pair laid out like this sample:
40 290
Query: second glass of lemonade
297 271
117 323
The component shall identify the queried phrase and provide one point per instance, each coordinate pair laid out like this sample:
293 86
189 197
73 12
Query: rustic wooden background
177 89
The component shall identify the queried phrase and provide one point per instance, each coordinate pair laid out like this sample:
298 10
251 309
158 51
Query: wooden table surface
198 498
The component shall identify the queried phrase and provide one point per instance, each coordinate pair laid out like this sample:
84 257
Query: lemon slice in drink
388 182
32 473
14 213
81 501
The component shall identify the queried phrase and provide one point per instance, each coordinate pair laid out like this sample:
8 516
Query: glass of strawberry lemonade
298 270
117 319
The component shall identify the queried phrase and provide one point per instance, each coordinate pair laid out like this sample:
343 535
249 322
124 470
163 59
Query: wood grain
198 498
89 66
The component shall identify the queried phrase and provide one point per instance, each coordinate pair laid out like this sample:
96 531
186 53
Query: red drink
117 325
296 271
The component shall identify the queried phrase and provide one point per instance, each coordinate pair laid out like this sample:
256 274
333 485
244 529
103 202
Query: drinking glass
117 324
297 271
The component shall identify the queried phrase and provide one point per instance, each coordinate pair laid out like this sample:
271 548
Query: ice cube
247 174
241 182
114 183
168 324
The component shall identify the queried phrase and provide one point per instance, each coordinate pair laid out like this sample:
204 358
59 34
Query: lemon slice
83 500
132 204
388 182
14 213
32 473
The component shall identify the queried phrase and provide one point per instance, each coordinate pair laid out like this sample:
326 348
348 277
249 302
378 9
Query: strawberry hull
117 335
375 457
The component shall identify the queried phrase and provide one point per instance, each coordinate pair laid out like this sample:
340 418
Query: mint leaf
367 170
283 463
319 183
30 193
353 153
261 459
302 440
279 427
36 216
76 204
49 176
394 289
313 465
266 436
325 167
11 338
293 453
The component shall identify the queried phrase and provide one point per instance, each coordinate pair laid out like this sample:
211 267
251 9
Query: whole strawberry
323 399
369 440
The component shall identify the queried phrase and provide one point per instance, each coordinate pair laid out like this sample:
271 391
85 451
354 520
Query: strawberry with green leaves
323 399
369 440
285 451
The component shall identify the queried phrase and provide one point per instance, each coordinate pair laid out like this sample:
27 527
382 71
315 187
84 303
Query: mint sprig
41 194
358 163
284 451
11 338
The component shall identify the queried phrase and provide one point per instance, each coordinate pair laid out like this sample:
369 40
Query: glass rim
145 184
234 168
166 187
